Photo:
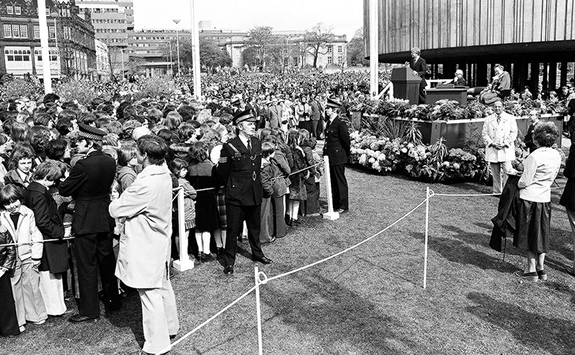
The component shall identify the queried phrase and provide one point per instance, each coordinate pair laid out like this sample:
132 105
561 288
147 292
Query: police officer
337 148
89 184
239 169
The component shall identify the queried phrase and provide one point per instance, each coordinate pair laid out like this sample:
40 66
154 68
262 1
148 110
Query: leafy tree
211 55
261 39
250 56
316 40
356 49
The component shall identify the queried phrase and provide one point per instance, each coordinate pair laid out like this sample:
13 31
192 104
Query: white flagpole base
183 265
331 216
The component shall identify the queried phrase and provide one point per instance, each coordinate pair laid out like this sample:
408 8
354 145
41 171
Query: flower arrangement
426 162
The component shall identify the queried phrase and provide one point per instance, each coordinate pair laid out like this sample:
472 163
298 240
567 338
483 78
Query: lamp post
123 72
176 21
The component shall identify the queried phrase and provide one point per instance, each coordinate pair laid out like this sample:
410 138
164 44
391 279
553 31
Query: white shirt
541 168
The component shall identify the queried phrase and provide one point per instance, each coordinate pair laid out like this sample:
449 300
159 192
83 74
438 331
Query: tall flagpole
45 46
195 53
373 48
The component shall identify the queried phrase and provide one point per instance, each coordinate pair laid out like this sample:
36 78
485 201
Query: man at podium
419 67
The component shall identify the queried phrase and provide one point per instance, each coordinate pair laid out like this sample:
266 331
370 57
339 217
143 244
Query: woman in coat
48 220
8 318
533 218
568 196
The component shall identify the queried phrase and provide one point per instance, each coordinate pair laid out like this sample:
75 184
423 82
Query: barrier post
258 310
426 238
330 214
184 263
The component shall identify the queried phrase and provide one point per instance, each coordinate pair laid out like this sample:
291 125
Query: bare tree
261 38
316 40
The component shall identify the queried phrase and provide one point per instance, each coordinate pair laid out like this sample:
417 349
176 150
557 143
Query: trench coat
145 246
505 132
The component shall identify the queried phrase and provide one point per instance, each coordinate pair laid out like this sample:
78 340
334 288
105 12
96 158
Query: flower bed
426 162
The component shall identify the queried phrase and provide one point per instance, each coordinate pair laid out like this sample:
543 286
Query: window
339 60
339 49
24 31
329 49
9 55
9 9
329 60
17 10
36 32
16 31
51 32
7 31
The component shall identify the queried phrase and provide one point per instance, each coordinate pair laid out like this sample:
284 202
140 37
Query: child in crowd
20 166
49 222
21 225
179 168
297 186
8 317
202 175
312 203
268 175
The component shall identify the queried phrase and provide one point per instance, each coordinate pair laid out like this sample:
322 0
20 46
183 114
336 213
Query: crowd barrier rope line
35 242
262 279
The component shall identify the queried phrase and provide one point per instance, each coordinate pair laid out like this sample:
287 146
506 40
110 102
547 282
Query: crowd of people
249 167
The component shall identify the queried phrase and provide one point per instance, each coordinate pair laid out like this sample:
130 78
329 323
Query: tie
250 146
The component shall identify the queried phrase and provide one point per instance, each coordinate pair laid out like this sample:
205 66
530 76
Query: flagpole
43 23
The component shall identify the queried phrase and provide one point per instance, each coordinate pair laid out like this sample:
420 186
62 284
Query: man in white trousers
499 134
143 260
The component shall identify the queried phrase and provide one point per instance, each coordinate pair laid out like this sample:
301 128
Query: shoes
542 274
77 318
112 306
342 210
263 260
272 239
68 312
228 270
39 322
527 276
22 329
295 222
206 257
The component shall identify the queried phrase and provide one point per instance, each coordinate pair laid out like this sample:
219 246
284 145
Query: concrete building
533 39
103 70
71 39
113 24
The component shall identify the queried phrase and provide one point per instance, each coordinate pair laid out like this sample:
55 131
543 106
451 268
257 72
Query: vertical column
45 46
373 48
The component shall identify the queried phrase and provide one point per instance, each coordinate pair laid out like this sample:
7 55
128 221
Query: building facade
533 39
71 39
113 23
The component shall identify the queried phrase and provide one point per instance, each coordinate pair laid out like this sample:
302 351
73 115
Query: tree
316 40
211 55
261 39
250 56
356 50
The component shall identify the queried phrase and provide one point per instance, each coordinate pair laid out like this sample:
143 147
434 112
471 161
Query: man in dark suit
89 184
337 148
239 169
419 67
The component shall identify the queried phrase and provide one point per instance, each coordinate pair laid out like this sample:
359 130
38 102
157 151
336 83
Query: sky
341 16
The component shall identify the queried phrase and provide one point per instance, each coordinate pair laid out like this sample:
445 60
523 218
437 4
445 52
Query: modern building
103 70
113 22
533 39
71 39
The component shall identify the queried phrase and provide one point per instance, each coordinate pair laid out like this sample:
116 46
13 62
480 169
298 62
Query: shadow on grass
130 316
535 331
458 251
337 317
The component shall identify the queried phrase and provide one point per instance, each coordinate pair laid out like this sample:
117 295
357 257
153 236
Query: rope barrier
347 249
207 321
262 278
35 242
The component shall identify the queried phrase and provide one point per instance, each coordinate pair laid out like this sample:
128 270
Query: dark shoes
204 258
77 318
228 270
263 260
342 210
542 274
527 276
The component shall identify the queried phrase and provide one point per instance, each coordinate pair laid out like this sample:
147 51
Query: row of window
23 55
339 60
110 30
21 31
108 21
14 9
339 49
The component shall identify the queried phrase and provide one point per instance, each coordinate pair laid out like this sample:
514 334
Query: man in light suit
499 134
143 261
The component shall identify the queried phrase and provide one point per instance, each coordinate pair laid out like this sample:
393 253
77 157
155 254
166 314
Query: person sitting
499 88
459 80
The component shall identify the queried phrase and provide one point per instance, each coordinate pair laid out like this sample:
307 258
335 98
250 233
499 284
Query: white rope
35 242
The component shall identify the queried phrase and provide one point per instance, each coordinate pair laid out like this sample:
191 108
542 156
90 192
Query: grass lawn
367 301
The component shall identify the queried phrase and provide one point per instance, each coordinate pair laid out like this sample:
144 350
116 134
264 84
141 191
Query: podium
405 84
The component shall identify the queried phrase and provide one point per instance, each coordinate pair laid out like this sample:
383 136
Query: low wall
457 133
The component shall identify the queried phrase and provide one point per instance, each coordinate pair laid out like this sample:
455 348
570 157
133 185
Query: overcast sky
342 16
